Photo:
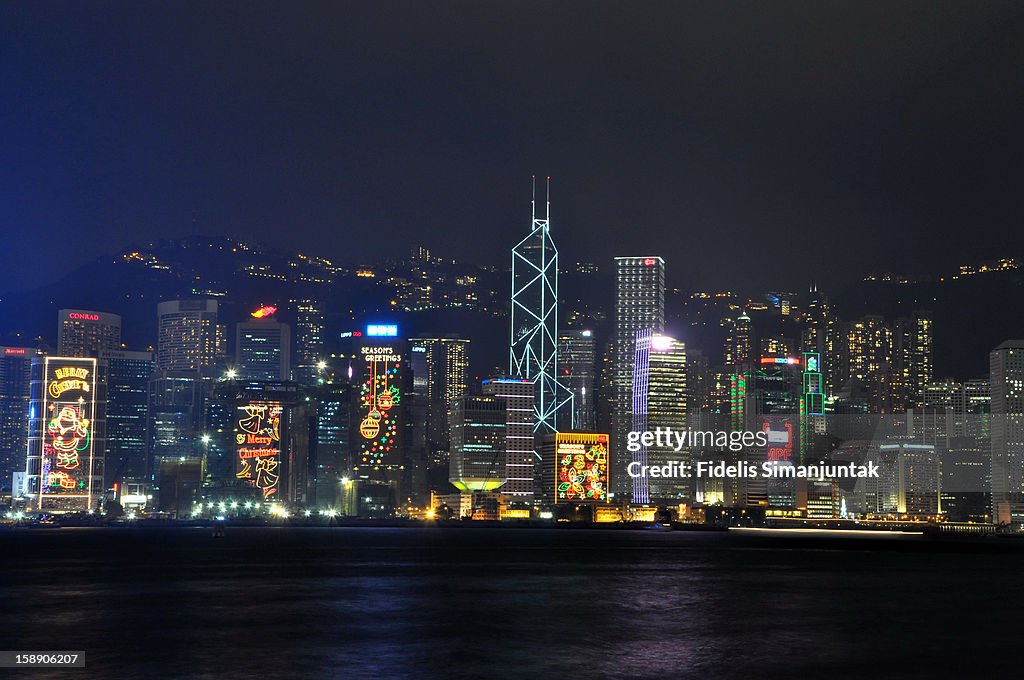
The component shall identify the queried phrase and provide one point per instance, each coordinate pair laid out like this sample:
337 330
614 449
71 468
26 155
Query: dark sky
750 143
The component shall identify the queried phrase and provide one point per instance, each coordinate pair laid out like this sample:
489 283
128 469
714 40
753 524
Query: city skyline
519 339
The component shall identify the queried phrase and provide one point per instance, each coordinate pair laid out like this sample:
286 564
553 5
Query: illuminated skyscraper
333 443
1006 370
189 337
15 384
869 360
308 339
667 399
127 378
912 355
739 344
520 455
774 407
440 366
478 454
534 346
84 333
819 333
190 353
577 365
639 306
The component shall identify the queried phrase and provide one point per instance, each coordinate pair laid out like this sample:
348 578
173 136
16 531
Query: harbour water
518 603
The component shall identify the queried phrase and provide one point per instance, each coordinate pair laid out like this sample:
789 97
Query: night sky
752 144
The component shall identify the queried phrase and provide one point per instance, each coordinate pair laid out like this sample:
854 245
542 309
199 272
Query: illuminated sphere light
369 428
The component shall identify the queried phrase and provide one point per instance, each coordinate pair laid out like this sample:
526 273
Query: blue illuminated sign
382 330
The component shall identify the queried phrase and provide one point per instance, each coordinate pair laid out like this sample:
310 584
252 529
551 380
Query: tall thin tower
534 346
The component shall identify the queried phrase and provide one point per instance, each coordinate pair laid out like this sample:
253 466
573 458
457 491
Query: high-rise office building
191 348
15 390
912 356
819 333
667 399
577 365
533 353
176 416
1006 376
739 343
333 443
869 360
308 339
189 337
520 455
127 377
969 405
774 392
440 367
639 306
84 333
263 350
478 443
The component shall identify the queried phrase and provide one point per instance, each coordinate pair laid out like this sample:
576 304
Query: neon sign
66 461
786 361
380 398
258 446
14 350
263 312
581 473
649 262
66 379
82 316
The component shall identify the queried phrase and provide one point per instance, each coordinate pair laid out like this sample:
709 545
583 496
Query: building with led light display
581 467
65 455
533 353
258 447
258 442
775 391
380 389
